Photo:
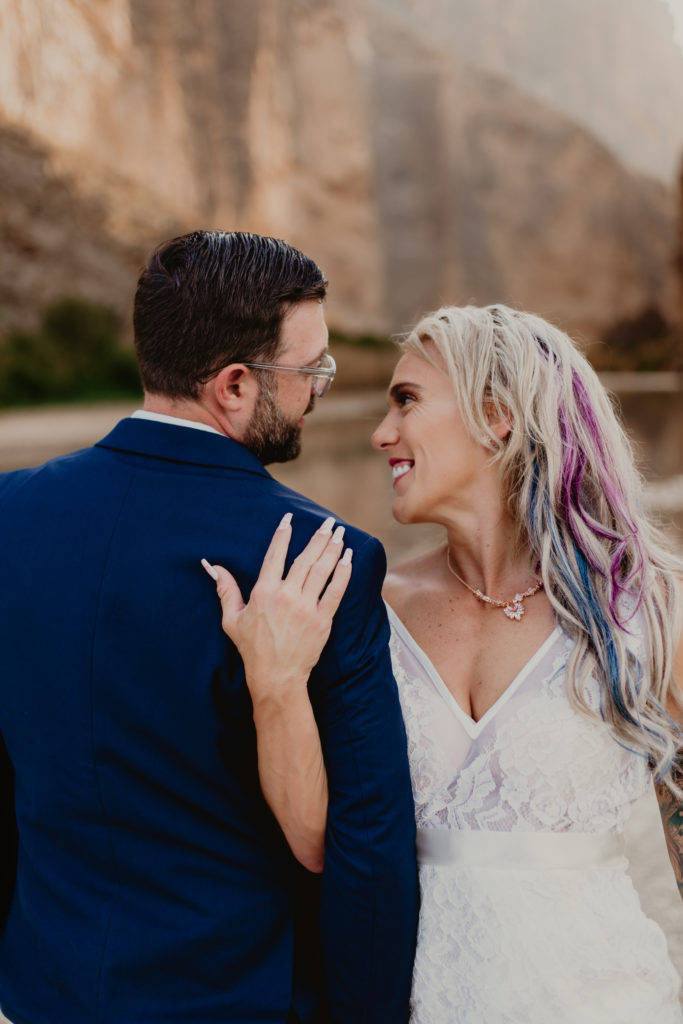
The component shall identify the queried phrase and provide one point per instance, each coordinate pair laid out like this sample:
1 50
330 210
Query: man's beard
271 437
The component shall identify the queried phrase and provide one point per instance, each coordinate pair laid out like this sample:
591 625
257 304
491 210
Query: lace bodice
532 763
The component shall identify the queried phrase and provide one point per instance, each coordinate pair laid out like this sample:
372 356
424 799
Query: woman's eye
404 398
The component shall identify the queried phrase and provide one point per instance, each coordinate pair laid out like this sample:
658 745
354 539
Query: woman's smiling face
436 464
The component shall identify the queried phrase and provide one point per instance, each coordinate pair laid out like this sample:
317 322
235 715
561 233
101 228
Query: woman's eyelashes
403 397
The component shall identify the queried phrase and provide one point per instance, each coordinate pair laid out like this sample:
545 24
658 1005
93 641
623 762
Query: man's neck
184 409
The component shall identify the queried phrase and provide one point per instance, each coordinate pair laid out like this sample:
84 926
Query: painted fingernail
210 569
285 521
347 556
338 535
327 525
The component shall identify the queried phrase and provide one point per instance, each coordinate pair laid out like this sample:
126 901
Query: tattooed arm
671 806
671 810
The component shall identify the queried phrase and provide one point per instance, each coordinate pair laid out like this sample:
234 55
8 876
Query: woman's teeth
400 469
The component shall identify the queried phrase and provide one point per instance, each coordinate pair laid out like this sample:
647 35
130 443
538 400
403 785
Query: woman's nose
385 436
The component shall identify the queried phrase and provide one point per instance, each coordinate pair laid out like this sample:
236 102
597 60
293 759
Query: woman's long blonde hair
576 497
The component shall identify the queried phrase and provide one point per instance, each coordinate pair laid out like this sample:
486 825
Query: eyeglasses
322 374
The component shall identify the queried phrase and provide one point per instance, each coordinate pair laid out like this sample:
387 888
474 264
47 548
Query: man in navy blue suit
151 882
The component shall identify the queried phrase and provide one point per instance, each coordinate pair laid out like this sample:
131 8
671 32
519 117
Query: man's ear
234 388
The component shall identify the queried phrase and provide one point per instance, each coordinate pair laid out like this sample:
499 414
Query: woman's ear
499 420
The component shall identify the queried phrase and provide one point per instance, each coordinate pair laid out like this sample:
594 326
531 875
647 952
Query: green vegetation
76 354
642 343
361 340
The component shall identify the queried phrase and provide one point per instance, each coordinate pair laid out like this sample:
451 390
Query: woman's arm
671 810
671 806
280 634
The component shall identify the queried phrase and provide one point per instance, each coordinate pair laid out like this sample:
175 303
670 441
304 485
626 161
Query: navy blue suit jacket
153 884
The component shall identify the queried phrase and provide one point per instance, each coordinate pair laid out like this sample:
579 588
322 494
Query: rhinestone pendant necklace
514 608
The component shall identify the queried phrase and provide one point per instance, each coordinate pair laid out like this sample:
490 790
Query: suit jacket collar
180 444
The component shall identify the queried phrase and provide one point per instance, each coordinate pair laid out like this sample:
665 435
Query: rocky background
423 151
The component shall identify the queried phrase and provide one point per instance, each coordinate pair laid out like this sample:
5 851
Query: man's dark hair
211 298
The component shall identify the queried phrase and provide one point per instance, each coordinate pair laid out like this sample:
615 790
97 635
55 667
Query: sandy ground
338 469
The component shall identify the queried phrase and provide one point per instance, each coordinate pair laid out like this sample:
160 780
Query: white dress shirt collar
175 421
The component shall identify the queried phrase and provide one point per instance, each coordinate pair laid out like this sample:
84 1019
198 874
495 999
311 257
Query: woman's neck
486 553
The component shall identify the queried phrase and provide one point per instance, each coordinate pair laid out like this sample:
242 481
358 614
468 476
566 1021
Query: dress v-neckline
472 727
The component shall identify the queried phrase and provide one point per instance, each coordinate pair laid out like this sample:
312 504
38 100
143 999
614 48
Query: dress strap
521 850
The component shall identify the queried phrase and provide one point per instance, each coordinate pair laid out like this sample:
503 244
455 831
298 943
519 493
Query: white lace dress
527 915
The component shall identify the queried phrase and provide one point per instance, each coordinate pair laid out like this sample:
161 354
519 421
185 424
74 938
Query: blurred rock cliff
416 171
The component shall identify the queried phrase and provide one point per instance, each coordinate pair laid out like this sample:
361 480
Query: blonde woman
538 660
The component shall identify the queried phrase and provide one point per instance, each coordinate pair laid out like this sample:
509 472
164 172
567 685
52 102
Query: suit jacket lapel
181 445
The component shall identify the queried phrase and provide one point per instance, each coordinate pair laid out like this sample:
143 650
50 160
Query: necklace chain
514 608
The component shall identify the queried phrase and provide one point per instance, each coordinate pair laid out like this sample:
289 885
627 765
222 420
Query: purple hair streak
576 499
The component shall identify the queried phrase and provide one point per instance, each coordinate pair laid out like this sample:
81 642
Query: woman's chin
403 514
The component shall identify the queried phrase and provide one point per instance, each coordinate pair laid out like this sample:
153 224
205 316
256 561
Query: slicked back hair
211 298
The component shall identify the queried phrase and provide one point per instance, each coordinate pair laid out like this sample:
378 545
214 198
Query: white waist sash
534 850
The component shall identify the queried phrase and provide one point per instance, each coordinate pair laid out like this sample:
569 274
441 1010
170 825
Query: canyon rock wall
414 178
679 256
614 66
